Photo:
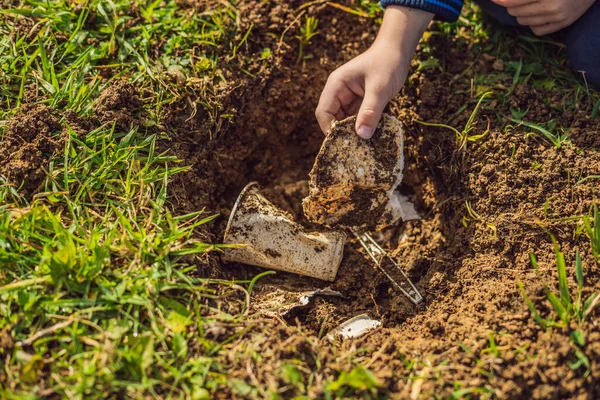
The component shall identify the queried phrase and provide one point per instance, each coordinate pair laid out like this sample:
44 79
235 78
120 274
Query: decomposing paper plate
281 301
353 181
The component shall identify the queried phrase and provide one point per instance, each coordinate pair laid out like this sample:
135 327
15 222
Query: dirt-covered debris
353 179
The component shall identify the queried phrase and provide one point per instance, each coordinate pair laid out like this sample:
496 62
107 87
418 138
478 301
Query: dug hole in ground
484 208
473 326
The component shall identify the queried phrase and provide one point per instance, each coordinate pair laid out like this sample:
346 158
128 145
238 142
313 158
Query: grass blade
561 266
531 306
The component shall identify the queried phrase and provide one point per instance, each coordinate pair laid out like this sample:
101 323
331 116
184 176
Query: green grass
98 285
572 310
464 136
592 229
97 277
558 140
566 307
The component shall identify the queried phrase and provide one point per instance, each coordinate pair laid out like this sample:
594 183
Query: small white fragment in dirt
354 327
403 208
307 298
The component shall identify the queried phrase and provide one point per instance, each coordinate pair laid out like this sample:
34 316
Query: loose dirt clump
119 103
31 139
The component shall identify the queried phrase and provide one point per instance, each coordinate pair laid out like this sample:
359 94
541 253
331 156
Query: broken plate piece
354 327
272 239
281 301
353 181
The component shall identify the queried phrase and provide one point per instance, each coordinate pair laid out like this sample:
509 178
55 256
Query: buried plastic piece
354 327
281 300
273 240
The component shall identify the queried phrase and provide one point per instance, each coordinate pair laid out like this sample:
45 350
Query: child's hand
546 16
368 82
364 85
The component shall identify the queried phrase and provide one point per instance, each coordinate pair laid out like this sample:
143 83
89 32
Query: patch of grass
359 378
479 392
463 137
100 294
565 307
592 229
96 288
64 60
307 32
558 140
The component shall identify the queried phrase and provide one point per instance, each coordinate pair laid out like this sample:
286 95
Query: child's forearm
402 29
367 83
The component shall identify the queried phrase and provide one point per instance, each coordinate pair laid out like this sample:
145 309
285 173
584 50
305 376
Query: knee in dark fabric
583 45
583 66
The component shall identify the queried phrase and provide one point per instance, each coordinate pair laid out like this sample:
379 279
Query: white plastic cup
273 240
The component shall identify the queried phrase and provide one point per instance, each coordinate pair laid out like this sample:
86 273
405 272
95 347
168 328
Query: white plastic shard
307 298
354 327
272 239
353 181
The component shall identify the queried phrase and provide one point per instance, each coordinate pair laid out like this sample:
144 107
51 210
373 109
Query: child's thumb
369 114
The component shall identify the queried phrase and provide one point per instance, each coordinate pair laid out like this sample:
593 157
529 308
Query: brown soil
119 103
31 138
519 185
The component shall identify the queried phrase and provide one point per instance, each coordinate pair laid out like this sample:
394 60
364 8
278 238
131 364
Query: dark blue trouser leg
583 45
582 38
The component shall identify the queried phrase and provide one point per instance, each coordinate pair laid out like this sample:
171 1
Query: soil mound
31 139
120 102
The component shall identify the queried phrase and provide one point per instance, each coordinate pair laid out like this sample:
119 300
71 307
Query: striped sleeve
446 10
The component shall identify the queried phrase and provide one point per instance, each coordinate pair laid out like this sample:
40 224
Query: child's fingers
370 112
539 20
547 29
513 3
353 108
331 104
529 10
325 114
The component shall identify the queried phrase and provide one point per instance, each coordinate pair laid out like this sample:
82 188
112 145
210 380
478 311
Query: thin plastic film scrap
353 181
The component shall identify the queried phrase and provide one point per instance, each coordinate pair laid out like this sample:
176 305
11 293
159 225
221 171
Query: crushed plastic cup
272 239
